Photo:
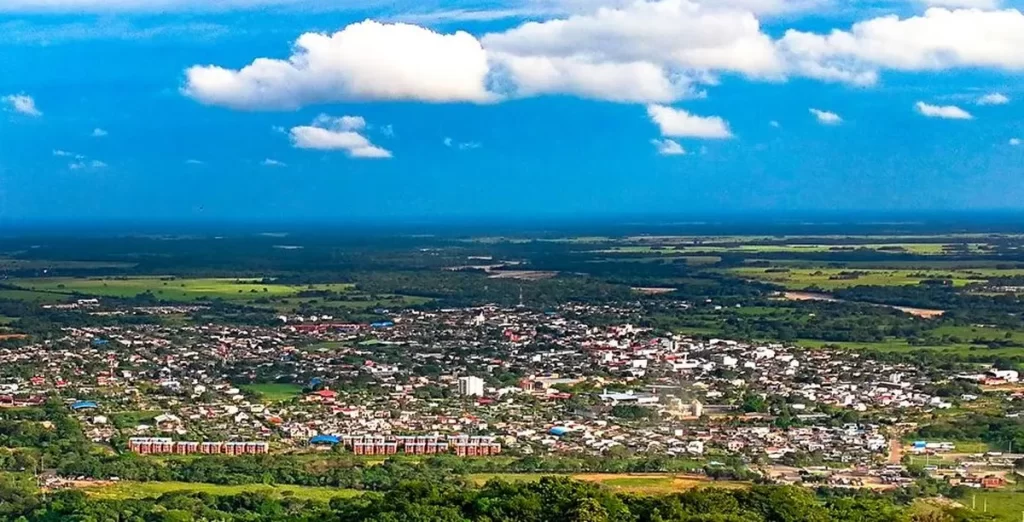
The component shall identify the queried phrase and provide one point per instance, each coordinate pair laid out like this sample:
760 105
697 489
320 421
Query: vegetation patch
138 490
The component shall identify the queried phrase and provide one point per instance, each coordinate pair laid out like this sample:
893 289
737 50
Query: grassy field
650 484
1006 505
972 333
274 392
136 490
169 288
706 247
32 297
834 278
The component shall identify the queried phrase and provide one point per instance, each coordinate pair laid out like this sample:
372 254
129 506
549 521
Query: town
484 381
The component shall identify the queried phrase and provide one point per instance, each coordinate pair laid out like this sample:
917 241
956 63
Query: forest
549 499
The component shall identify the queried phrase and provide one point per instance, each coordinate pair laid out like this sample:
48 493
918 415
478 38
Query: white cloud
467 145
636 82
273 163
645 51
87 165
774 123
967 4
940 39
99 133
194 162
22 103
364 61
667 147
1014 142
678 123
995 98
329 133
949 112
62 153
826 117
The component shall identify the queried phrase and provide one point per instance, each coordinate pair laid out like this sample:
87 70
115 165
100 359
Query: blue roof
97 342
82 405
382 324
558 431
325 439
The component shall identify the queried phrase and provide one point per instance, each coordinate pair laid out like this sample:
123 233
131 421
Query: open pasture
641 483
170 288
936 249
138 490
836 278
274 392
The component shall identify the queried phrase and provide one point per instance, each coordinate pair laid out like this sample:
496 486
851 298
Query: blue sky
316 110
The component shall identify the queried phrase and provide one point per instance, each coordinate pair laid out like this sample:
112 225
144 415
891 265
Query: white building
471 386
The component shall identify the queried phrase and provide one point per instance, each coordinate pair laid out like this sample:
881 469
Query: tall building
471 386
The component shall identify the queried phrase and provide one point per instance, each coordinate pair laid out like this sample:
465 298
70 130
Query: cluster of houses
474 382
166 445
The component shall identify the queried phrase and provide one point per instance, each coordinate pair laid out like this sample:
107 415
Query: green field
274 392
835 278
136 490
1006 505
706 247
29 296
980 333
649 484
170 288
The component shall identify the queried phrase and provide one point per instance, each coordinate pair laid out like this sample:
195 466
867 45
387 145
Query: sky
370 109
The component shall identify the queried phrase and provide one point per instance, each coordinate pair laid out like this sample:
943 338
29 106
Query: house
992 482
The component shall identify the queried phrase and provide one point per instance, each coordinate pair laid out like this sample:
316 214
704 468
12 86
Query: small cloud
22 103
344 133
995 98
1015 142
387 130
344 123
949 112
826 117
279 129
668 147
774 123
273 163
678 123
468 145
194 162
99 133
87 165
62 153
